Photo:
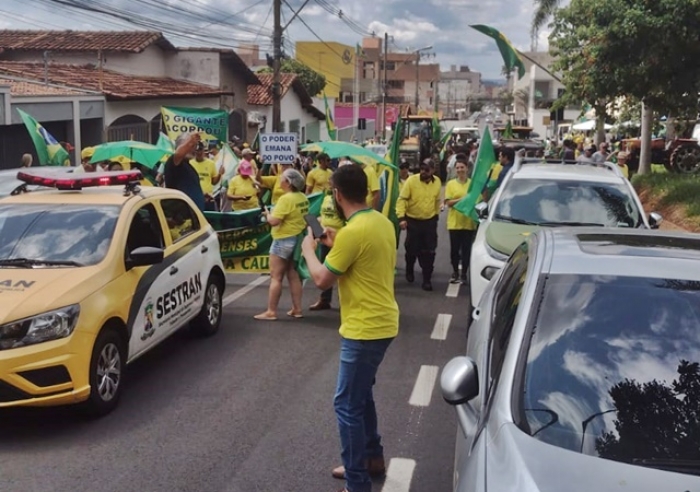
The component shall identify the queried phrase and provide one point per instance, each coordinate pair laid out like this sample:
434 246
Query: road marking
423 389
244 290
442 324
453 290
399 475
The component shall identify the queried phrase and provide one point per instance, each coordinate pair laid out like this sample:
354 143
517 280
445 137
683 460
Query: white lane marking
453 290
423 389
244 290
442 324
399 475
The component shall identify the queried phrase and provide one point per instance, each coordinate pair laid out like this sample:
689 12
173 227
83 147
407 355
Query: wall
334 60
201 67
539 119
343 115
232 81
425 92
290 110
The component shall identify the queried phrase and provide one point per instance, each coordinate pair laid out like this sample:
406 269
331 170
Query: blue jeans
355 410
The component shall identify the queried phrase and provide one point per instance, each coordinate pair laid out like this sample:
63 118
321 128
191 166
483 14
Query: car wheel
209 318
106 373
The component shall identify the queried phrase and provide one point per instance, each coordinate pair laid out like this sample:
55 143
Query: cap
623 155
245 169
588 147
247 151
87 152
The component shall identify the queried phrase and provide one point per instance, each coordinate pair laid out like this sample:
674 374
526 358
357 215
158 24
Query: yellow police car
94 272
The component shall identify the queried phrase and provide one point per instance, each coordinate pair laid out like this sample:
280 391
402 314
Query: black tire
208 320
107 367
685 159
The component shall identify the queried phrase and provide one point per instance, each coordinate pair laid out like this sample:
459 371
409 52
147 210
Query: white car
538 194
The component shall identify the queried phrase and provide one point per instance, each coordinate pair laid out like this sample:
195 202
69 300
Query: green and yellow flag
49 151
484 161
510 55
330 124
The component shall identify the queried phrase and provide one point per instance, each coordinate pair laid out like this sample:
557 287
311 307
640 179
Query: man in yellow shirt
318 179
417 209
362 260
272 182
208 175
622 158
373 187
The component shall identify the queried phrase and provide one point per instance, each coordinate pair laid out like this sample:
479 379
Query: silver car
8 181
582 370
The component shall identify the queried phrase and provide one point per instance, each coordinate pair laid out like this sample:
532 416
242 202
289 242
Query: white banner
278 148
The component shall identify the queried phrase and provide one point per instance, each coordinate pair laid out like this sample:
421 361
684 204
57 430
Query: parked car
537 194
582 367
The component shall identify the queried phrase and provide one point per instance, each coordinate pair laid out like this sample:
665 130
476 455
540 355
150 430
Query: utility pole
276 65
417 52
384 86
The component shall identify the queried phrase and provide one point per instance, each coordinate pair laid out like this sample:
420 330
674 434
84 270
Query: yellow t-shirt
364 256
329 214
206 170
240 186
290 209
372 183
455 219
273 183
625 170
419 200
319 179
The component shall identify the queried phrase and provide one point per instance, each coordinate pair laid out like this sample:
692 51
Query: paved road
251 408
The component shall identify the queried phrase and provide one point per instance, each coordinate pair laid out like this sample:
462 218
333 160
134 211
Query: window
145 230
506 303
390 65
281 126
294 126
182 220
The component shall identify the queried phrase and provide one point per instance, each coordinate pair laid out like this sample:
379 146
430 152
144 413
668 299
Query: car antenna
20 189
132 188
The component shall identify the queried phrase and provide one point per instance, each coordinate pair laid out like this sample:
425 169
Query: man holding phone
362 258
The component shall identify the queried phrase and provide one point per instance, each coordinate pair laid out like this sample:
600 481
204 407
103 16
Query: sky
411 24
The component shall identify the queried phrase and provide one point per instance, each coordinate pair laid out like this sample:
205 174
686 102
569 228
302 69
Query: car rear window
564 202
613 370
50 233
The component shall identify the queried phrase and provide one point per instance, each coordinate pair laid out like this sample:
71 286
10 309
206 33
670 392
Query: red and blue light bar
68 181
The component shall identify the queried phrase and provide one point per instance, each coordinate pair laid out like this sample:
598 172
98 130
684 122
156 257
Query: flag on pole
443 143
484 161
49 151
164 142
330 124
510 55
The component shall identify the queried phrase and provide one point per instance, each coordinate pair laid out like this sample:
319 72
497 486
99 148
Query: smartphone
316 227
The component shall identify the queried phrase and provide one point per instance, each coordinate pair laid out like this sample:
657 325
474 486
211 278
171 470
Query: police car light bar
68 181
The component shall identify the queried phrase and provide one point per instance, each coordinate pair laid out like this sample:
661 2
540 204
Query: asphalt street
250 409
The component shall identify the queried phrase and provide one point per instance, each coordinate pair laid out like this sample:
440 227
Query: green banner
211 124
244 240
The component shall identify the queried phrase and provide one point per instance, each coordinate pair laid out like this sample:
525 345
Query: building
134 72
536 92
299 114
333 60
457 88
250 54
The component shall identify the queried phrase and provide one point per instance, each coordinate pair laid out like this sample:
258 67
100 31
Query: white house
298 112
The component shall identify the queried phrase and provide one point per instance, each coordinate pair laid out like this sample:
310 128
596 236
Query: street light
417 52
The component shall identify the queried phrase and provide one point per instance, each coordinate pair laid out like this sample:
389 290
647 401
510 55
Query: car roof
623 252
102 195
566 172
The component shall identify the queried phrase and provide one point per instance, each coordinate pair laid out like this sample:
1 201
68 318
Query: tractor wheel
686 159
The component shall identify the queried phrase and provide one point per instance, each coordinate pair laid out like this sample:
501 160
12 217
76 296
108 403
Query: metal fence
349 133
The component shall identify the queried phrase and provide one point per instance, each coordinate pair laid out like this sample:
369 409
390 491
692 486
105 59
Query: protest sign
211 124
278 148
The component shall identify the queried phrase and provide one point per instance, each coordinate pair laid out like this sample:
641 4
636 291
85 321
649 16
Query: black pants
461 248
327 294
421 243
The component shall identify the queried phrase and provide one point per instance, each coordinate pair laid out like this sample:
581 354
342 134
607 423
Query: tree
313 82
544 10
646 50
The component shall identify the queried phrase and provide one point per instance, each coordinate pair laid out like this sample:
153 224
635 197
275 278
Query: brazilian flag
49 151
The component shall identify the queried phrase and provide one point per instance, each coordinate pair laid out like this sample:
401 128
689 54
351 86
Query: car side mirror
144 256
655 220
482 210
459 381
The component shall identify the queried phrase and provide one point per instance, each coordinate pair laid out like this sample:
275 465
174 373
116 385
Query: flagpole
356 95
520 53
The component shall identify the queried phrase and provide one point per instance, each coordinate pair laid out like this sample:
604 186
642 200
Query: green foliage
642 49
313 82
673 190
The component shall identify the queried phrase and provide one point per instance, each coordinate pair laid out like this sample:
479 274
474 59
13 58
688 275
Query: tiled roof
114 85
261 95
28 88
128 41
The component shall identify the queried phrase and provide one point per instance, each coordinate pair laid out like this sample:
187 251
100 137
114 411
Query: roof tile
261 95
27 88
128 41
114 85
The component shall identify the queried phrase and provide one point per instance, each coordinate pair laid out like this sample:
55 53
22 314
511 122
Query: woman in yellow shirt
273 182
460 227
243 189
287 222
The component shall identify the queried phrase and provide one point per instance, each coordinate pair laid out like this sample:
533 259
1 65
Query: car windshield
613 370
550 202
55 234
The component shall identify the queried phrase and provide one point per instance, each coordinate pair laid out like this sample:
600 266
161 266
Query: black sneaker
410 277
454 279
463 279
427 286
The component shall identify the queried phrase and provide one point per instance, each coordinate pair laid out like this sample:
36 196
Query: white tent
588 126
